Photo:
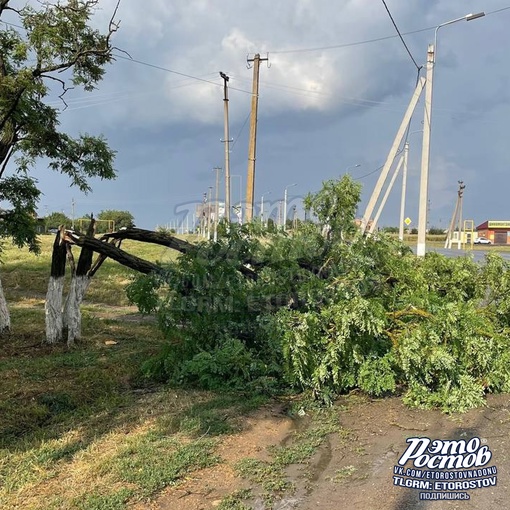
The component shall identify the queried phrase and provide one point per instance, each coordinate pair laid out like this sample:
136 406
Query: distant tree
55 219
335 205
436 231
122 219
49 42
414 231
390 230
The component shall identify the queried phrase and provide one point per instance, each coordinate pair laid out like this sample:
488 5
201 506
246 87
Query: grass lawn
80 428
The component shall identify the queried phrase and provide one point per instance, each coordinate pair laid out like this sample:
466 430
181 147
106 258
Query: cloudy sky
332 97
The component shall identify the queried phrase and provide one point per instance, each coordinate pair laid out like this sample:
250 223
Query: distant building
497 231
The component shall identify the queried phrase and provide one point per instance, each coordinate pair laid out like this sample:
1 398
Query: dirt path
354 470
359 476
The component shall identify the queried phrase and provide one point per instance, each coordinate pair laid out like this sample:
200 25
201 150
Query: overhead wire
400 35
240 131
367 41
166 69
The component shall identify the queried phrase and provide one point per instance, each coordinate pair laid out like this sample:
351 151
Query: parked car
482 240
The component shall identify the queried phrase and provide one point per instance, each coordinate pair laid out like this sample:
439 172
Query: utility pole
227 147
250 184
403 197
202 222
459 240
425 155
385 197
262 208
456 218
217 202
72 213
209 198
391 156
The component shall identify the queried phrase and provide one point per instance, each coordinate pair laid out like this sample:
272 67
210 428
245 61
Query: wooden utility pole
227 147
250 184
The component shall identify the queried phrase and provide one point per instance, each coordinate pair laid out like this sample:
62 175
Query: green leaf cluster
330 312
46 49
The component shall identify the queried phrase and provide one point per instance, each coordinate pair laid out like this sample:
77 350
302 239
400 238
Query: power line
240 131
370 173
347 45
368 41
400 35
161 68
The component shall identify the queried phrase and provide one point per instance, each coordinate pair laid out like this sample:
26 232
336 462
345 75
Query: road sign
407 221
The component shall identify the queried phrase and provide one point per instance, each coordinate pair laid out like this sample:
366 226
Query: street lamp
262 207
352 166
285 206
425 155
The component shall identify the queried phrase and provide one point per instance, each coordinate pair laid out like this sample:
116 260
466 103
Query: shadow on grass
64 412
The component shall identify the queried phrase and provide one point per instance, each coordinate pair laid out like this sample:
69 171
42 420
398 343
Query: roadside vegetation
145 399
325 310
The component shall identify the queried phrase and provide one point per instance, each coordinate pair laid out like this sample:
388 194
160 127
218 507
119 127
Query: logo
445 469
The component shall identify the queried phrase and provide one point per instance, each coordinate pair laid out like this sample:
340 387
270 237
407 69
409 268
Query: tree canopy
122 219
40 48
55 219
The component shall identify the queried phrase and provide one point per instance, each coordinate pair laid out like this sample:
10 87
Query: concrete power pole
456 218
425 156
391 156
403 196
250 184
217 202
385 197
227 147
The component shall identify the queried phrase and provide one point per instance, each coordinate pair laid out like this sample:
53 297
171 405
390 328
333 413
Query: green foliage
55 219
55 37
327 314
436 231
335 204
377 376
122 219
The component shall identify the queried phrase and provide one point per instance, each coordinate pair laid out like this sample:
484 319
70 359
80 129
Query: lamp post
425 155
262 207
285 206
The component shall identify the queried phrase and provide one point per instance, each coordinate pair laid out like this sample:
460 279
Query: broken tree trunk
111 251
53 305
148 236
80 280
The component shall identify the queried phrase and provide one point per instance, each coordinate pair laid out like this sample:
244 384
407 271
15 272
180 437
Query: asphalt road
478 255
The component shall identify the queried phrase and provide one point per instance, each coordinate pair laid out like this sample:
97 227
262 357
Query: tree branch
148 236
64 87
107 249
